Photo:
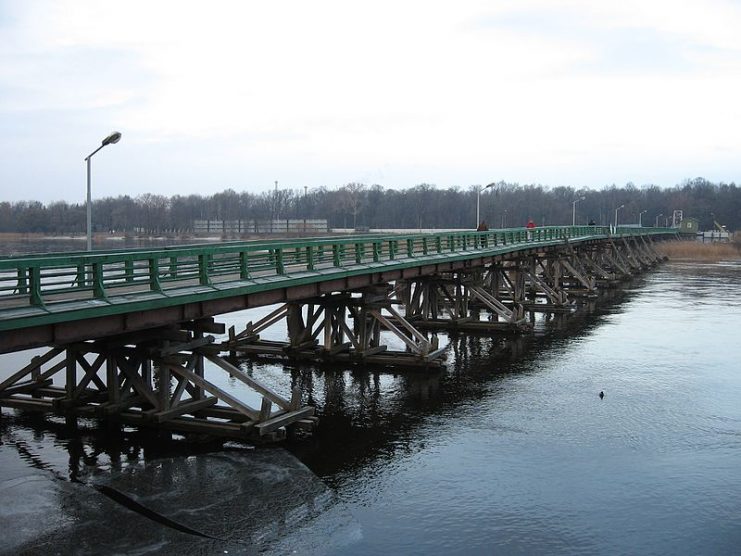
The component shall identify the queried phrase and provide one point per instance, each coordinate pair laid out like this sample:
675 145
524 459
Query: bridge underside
147 368
154 379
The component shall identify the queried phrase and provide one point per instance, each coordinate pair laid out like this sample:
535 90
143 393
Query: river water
509 450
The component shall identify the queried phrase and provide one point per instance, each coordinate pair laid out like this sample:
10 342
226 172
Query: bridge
128 333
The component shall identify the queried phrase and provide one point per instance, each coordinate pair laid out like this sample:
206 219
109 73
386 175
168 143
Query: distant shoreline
101 237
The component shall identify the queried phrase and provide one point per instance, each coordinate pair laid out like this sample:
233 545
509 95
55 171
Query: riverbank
695 251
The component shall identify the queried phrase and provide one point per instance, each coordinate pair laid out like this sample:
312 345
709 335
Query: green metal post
129 270
34 282
203 277
154 275
279 267
22 283
336 255
98 287
244 272
309 258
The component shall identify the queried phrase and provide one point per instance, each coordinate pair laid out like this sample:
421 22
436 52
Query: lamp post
656 223
573 210
640 218
113 138
616 215
478 200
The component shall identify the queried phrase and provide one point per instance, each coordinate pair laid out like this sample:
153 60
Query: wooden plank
175 399
287 418
28 404
33 365
240 375
215 390
388 324
265 409
295 398
136 381
205 325
25 387
180 409
185 346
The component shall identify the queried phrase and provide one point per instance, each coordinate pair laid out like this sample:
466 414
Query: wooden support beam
266 408
282 420
145 390
205 325
25 387
240 375
181 409
185 346
213 389
32 366
389 325
90 372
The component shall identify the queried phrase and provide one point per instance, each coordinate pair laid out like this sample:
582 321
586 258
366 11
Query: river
509 450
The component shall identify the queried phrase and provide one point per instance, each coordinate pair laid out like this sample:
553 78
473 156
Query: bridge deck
39 290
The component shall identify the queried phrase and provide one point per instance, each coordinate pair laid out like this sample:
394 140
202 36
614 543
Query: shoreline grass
695 251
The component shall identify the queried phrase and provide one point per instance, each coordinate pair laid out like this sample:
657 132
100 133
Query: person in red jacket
530 226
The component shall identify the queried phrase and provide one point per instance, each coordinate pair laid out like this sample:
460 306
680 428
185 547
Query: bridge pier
159 381
318 330
454 301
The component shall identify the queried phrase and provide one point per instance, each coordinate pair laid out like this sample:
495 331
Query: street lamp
113 138
478 200
640 218
616 215
656 223
573 210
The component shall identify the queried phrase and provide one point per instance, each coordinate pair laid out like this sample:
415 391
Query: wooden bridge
128 332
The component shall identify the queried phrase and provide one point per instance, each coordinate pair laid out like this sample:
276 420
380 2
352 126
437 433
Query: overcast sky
210 95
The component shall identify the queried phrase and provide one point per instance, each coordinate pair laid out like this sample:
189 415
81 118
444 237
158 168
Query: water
33 244
508 451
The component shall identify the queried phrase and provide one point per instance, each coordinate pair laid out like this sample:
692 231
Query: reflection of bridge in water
131 333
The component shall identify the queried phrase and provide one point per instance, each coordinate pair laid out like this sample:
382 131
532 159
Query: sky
240 94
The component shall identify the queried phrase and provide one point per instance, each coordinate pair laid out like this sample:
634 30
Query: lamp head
114 137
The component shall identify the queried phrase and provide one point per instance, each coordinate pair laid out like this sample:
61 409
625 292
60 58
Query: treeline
357 205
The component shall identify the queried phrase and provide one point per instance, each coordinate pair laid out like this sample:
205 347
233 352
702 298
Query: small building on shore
689 226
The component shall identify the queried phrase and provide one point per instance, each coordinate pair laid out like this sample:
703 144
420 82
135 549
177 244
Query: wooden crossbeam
33 365
136 381
282 420
213 389
240 375
183 408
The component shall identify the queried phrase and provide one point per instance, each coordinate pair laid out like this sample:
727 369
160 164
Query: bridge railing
38 280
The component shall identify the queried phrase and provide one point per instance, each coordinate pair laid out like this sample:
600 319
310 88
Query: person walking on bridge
530 227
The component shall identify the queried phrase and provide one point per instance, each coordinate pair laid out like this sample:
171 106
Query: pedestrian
530 229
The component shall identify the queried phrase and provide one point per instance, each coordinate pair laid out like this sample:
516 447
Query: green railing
40 280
